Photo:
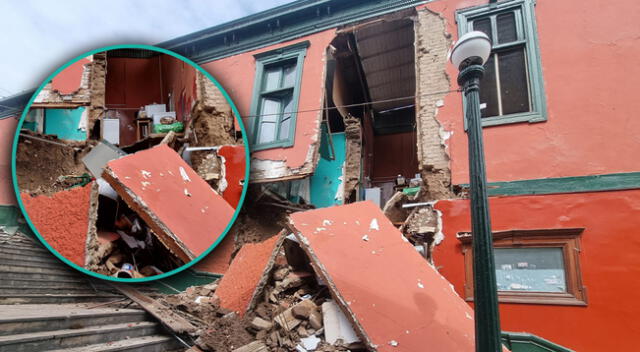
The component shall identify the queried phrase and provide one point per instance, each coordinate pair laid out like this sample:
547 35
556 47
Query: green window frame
525 37
276 92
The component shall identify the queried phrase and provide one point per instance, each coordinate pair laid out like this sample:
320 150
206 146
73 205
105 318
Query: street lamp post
468 55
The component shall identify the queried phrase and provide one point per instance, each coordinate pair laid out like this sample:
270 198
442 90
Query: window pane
271 78
530 269
483 25
285 123
488 90
267 132
506 23
514 86
289 76
270 110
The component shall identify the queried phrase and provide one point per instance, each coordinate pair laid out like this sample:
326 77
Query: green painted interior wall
327 177
64 123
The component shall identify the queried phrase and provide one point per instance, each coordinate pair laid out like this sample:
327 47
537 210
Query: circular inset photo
129 163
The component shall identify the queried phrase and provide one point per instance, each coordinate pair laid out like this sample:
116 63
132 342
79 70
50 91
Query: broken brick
287 319
261 324
415 304
184 212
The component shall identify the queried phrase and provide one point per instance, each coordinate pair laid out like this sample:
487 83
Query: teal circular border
244 187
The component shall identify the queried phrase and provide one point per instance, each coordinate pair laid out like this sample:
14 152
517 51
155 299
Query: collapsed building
130 163
354 100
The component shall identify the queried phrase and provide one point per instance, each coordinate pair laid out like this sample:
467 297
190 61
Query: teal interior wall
64 123
327 177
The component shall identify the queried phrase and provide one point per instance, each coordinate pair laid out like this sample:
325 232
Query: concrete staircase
47 306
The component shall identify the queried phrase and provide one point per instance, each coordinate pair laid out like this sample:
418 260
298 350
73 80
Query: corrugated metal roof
13 105
388 61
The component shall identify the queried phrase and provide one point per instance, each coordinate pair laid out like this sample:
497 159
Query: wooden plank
577 184
166 316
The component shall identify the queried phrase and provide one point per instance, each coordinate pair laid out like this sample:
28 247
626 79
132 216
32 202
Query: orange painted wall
609 262
68 81
7 131
236 74
589 89
62 219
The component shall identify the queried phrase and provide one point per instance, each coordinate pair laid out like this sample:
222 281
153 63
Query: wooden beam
167 317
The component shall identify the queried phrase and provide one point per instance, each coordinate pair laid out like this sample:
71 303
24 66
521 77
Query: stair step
18 319
85 289
23 281
154 343
40 276
21 268
52 263
26 252
23 245
56 298
17 255
68 338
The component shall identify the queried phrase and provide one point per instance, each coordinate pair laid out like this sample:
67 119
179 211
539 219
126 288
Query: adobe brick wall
432 43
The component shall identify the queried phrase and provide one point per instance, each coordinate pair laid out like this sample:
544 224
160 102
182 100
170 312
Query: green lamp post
468 55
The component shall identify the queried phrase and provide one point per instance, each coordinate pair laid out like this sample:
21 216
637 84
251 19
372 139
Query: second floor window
512 88
275 99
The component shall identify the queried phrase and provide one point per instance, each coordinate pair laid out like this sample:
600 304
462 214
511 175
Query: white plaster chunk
336 324
186 193
310 343
184 175
222 183
145 173
374 225
365 238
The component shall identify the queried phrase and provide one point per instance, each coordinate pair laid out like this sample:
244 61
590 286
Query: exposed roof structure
13 105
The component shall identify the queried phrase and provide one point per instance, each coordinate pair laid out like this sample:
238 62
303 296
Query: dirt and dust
257 222
46 168
211 127
225 335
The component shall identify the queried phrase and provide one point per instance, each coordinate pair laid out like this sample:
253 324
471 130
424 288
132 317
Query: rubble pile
292 311
289 316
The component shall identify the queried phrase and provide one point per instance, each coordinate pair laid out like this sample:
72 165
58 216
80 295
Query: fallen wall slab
395 300
247 273
64 219
184 212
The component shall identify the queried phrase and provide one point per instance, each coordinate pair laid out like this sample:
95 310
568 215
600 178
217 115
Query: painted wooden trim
296 51
526 26
568 239
522 341
279 24
575 184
